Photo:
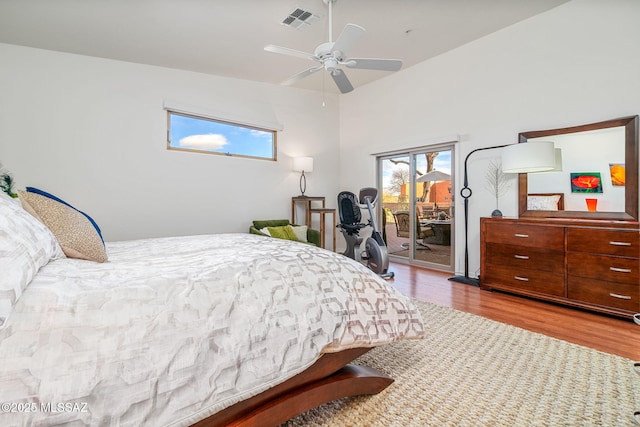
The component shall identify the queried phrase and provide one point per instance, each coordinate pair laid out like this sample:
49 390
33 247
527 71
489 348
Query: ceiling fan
332 54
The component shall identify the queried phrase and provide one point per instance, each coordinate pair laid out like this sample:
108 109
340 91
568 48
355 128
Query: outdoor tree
429 157
426 186
399 177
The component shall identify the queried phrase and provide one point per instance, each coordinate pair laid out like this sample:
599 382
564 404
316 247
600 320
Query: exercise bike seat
352 229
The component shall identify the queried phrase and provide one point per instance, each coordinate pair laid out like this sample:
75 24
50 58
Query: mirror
598 177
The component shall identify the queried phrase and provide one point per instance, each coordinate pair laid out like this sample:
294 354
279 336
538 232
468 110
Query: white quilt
172 330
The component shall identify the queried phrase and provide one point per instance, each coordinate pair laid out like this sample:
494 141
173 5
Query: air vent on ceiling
299 18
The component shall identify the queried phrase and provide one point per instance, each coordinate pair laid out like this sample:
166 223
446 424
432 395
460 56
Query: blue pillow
51 196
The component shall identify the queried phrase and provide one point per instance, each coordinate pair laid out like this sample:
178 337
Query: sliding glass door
417 206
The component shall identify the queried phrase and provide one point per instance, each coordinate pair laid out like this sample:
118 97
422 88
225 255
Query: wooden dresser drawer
528 235
620 295
525 257
603 241
521 278
602 267
587 263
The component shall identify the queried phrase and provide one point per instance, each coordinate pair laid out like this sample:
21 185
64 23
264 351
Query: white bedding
172 330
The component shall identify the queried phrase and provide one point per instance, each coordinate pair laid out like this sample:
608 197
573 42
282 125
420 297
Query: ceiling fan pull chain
323 104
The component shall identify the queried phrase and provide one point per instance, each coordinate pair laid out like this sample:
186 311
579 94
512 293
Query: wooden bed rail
328 379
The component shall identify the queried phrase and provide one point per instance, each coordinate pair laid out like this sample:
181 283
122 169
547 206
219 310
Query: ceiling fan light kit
332 54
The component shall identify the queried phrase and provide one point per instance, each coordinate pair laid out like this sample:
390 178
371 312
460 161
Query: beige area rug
472 371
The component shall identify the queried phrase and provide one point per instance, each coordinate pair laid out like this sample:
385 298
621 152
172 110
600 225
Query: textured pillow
75 233
59 200
543 203
25 246
283 232
301 232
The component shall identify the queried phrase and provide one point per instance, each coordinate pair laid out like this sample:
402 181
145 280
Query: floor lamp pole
465 193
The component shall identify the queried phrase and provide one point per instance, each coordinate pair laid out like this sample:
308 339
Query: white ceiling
227 37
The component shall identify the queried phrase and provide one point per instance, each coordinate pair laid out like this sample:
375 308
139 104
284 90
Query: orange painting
616 170
586 182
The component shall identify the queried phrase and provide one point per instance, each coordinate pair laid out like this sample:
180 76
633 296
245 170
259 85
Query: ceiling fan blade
290 52
342 81
374 64
301 75
349 35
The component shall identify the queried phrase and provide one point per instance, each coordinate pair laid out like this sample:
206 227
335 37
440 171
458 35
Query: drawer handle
521 256
522 279
619 296
521 235
620 270
614 243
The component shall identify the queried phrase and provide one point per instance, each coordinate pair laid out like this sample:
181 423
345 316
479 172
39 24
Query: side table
323 212
306 200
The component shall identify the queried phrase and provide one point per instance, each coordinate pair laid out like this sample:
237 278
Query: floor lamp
538 156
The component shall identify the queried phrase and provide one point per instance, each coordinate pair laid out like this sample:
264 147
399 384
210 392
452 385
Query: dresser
592 264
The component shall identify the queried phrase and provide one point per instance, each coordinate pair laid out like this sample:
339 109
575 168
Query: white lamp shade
303 164
527 157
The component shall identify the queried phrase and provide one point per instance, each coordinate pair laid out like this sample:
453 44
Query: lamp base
303 183
466 280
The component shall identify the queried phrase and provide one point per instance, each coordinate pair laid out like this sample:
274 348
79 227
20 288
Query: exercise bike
375 253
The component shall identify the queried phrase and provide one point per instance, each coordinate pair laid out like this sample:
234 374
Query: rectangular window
188 132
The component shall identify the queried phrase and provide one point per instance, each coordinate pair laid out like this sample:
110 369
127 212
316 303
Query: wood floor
598 331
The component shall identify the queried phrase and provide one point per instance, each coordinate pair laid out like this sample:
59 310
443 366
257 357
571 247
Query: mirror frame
631 172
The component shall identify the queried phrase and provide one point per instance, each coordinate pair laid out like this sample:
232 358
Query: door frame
410 153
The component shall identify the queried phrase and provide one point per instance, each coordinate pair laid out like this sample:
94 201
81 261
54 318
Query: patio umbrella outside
434 176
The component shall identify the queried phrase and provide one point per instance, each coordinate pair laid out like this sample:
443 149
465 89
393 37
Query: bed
179 331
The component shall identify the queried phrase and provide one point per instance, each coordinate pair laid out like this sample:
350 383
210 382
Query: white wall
93 132
575 64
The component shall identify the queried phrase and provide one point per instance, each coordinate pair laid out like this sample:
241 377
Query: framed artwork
586 182
617 172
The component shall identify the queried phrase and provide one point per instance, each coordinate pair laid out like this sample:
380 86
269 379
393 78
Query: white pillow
8 197
543 203
301 232
265 230
25 246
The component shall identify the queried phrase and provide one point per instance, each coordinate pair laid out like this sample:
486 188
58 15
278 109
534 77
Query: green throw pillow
283 232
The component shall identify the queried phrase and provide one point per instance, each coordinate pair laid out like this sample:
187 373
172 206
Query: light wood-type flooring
601 332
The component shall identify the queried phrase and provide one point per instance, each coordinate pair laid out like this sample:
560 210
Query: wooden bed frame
330 378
